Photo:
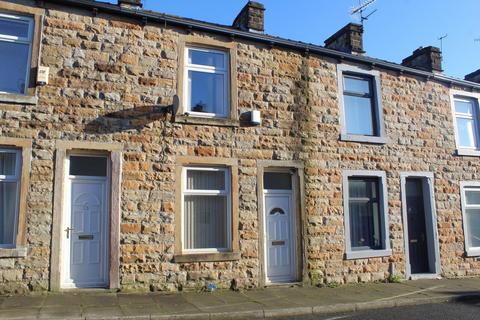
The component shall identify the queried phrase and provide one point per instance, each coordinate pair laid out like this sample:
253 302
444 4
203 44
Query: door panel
279 238
417 233
86 242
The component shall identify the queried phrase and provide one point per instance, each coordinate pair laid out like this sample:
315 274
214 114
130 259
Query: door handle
68 231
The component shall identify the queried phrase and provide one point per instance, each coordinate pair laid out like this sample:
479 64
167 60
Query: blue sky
391 33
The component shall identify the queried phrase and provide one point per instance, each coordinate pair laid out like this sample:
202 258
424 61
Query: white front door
84 251
280 242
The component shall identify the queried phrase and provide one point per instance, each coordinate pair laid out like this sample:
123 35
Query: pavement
272 302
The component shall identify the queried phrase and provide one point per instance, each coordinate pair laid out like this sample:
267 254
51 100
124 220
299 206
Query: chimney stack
349 39
428 59
130 4
251 18
474 76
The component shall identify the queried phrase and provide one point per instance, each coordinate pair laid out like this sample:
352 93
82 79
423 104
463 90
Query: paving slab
140 310
61 312
141 299
174 304
15 313
111 312
92 300
23 301
57 300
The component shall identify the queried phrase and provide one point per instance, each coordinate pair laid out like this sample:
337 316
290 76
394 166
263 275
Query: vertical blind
206 209
364 211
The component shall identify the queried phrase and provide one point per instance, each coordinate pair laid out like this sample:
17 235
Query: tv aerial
441 41
361 8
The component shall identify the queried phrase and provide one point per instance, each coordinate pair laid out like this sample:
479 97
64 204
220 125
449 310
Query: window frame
210 70
225 45
475 99
226 192
466 186
376 103
17 179
383 208
29 41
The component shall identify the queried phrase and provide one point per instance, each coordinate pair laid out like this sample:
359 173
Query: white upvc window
466 122
366 214
470 195
207 82
16 34
10 164
206 210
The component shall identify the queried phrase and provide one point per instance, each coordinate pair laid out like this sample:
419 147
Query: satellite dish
175 105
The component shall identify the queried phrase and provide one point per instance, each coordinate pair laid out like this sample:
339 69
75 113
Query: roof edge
262 38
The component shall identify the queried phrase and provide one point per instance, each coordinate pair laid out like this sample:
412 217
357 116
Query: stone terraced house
143 151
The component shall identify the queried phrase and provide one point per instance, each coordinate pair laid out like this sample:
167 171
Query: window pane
365 219
362 188
357 85
466 132
13 65
211 59
207 92
205 180
8 204
15 28
277 180
359 116
473 197
88 166
7 163
205 222
473 220
464 107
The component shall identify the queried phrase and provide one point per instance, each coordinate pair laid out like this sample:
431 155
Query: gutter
307 48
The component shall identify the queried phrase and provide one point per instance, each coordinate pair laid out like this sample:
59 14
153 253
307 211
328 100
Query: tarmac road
445 311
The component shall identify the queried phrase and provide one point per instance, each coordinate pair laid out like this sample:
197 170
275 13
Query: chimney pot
428 59
130 4
349 39
474 76
251 18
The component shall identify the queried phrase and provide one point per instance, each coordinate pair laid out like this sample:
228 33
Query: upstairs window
466 121
9 193
16 33
207 82
361 108
359 105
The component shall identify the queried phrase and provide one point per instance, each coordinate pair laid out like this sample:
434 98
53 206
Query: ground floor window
471 217
366 220
10 160
206 209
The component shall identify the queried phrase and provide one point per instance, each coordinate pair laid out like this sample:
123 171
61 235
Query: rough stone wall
103 66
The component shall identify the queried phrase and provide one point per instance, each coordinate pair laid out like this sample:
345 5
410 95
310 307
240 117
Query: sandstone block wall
103 66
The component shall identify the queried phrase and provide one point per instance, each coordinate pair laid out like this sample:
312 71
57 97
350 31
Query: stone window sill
18 99
18 252
207 257
222 122
468 152
365 139
365 254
